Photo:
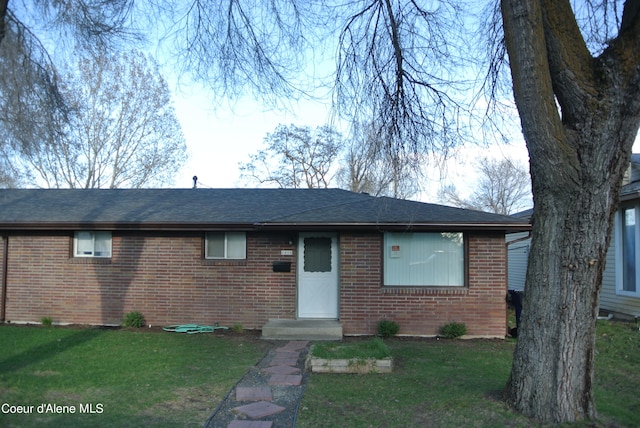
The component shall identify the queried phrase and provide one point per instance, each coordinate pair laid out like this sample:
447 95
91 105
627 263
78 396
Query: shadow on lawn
42 352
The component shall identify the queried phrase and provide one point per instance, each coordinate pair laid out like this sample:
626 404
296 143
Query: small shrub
387 328
46 321
133 319
453 330
238 328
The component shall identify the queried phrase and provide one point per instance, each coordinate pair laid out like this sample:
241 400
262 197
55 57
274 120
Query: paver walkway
268 395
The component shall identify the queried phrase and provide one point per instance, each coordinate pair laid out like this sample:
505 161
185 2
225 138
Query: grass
136 378
143 378
618 372
374 348
443 383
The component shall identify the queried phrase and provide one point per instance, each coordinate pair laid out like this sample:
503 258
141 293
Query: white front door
318 275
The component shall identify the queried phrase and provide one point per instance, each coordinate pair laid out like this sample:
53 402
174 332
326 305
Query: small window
226 245
317 254
92 244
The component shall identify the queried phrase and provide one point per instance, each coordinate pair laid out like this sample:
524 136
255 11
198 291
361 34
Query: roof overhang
630 196
275 226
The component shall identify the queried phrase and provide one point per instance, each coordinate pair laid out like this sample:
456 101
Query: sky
218 140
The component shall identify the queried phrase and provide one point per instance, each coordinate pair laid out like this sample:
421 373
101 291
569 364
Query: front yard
454 383
119 378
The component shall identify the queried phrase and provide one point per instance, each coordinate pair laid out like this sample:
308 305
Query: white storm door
318 275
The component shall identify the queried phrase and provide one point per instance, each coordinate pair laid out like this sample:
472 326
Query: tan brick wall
421 311
164 277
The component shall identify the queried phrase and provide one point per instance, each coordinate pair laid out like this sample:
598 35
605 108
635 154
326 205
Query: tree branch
570 62
534 95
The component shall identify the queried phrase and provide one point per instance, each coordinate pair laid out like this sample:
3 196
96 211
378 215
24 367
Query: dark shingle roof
241 208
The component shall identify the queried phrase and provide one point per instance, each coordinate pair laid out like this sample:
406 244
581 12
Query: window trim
465 266
76 254
619 250
226 248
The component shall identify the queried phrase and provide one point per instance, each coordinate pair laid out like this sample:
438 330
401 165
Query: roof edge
279 226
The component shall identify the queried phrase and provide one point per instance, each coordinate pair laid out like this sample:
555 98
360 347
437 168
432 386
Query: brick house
248 256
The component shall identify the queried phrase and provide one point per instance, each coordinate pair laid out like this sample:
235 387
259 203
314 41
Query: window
92 244
229 245
317 254
423 259
627 252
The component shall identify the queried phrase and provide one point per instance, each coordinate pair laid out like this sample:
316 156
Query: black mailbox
282 266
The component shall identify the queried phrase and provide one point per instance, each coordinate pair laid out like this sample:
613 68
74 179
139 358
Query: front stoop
302 329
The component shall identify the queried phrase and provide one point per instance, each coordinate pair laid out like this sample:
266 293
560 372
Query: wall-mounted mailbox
282 266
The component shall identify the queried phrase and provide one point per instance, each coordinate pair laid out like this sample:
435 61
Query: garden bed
371 356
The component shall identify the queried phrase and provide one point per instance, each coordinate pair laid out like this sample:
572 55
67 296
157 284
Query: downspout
5 265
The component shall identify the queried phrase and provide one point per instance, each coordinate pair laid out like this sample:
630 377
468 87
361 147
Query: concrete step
302 329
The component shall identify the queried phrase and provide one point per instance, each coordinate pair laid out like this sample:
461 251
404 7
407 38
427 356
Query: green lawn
127 378
454 383
142 378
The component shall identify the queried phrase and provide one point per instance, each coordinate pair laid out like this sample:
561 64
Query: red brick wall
165 277
421 311
162 276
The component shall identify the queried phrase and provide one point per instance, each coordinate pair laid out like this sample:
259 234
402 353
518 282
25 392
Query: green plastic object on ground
193 328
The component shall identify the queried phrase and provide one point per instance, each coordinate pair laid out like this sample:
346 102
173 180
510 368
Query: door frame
334 314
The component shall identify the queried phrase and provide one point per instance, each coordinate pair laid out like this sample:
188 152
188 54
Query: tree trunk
552 373
580 116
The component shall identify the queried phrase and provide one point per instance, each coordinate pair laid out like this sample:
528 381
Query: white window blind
226 245
92 244
424 259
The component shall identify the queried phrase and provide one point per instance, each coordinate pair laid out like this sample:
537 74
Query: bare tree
394 60
33 110
503 187
295 157
9 175
237 46
393 64
367 167
123 130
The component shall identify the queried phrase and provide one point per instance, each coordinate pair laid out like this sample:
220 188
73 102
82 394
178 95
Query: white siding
517 256
609 300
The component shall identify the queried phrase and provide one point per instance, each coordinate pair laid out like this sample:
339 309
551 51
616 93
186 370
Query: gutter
629 196
5 264
524 238
401 227
277 226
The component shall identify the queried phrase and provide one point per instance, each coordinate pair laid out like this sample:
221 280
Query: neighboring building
248 256
518 244
621 279
620 295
